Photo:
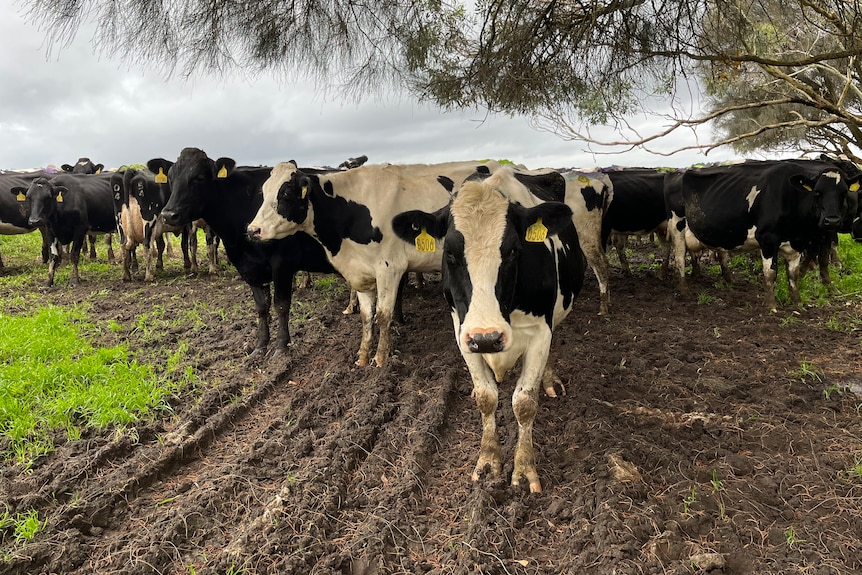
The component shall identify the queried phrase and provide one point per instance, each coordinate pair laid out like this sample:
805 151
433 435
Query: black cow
83 166
15 211
512 268
637 208
70 206
779 207
227 197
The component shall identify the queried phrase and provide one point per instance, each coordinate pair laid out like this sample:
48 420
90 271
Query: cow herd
512 244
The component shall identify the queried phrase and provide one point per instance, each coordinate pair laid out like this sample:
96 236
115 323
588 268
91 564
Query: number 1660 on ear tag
425 242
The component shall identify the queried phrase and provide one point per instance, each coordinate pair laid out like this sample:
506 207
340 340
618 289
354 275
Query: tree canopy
775 75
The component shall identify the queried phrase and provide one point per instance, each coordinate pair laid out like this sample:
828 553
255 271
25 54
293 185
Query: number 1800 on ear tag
537 232
425 242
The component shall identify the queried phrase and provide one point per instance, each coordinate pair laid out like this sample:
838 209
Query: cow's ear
447 183
539 222
19 193
800 182
413 226
99 168
59 193
224 166
66 168
160 167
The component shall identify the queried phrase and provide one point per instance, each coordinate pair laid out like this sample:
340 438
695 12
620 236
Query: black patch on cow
337 219
550 186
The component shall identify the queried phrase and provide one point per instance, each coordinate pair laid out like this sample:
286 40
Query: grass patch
846 282
52 380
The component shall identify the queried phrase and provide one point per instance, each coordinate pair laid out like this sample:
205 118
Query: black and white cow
227 197
15 210
70 206
350 215
144 195
779 207
637 209
512 268
83 166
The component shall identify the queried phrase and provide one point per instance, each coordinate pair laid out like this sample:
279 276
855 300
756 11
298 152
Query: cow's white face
268 223
473 261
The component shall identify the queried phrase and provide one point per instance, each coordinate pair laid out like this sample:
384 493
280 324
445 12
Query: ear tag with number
537 232
161 178
222 173
20 197
854 187
59 197
425 242
303 192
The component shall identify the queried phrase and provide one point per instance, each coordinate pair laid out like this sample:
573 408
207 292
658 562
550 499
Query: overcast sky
76 102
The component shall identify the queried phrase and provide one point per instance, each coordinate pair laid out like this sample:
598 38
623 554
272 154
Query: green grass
52 379
846 283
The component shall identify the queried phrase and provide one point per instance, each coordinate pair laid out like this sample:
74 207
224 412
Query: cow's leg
388 288
75 258
366 314
665 255
618 241
46 244
676 231
304 281
160 246
525 404
184 247
91 238
551 381
598 261
54 260
193 249
794 261
127 263
770 272
724 264
212 251
283 288
109 241
398 311
485 393
353 304
262 303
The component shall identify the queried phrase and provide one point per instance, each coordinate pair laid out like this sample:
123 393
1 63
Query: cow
779 207
70 206
83 166
349 214
14 210
588 193
227 197
512 268
143 197
637 208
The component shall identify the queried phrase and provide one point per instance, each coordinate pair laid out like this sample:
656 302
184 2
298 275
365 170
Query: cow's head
830 189
285 203
484 239
83 166
190 179
43 197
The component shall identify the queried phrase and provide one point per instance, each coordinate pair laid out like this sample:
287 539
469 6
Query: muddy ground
690 441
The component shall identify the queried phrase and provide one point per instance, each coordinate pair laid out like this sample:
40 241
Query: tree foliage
775 74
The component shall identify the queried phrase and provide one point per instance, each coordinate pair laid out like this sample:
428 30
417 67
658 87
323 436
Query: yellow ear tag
161 178
583 179
854 187
59 197
537 232
222 173
20 197
809 188
304 192
425 242
99 171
